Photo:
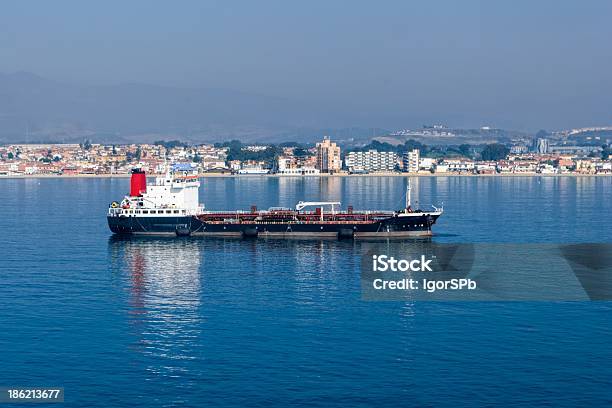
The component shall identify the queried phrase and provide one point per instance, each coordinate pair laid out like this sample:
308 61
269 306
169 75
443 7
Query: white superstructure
172 191
174 194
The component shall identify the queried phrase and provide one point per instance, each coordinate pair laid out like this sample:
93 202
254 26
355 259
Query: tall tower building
542 146
411 161
328 156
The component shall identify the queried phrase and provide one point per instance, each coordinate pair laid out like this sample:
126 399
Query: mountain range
37 109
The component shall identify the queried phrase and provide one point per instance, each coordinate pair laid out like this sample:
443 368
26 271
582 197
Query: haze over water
515 65
196 322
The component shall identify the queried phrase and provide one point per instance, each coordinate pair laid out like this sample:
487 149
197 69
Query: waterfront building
441 168
545 168
525 166
294 166
585 167
411 161
253 169
564 164
299 171
460 165
284 163
212 163
486 167
426 164
328 156
371 161
235 165
603 167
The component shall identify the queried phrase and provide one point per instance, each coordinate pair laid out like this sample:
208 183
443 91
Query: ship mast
408 198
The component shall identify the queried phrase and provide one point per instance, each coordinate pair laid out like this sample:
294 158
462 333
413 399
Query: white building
519 149
411 161
426 164
547 169
371 161
284 163
542 146
441 168
486 167
253 170
288 166
255 148
459 165
525 166
299 171
253 167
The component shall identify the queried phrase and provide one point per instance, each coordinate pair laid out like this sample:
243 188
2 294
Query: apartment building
328 156
371 161
410 162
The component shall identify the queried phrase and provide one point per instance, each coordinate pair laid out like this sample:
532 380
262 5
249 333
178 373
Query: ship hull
392 227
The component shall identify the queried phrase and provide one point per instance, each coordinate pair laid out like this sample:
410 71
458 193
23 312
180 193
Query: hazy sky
518 64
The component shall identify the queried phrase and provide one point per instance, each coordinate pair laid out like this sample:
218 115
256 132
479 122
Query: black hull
412 226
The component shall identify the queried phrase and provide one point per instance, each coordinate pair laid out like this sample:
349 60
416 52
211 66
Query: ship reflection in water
190 300
162 280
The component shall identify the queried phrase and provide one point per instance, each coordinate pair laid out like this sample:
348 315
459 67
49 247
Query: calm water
224 322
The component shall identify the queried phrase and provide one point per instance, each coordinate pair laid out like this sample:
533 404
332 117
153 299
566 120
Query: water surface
225 322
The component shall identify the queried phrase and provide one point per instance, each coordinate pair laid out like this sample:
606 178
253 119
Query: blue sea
200 322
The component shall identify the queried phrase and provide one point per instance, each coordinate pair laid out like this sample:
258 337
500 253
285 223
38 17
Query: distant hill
37 109
455 136
33 108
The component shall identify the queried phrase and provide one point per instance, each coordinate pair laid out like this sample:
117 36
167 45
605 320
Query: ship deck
294 217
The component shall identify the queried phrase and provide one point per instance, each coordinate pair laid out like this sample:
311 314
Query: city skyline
325 158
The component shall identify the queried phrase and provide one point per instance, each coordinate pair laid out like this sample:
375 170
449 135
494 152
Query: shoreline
123 176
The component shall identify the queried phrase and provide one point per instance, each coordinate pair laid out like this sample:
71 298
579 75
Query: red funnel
138 183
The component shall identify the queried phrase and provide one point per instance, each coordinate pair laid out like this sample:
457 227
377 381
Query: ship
170 206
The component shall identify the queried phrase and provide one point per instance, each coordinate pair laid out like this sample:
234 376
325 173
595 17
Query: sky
514 64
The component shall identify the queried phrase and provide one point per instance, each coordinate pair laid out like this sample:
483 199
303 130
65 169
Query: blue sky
518 64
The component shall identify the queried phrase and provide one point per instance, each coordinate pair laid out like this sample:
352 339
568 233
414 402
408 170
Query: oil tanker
170 206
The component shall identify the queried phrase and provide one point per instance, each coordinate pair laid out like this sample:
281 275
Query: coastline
122 176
